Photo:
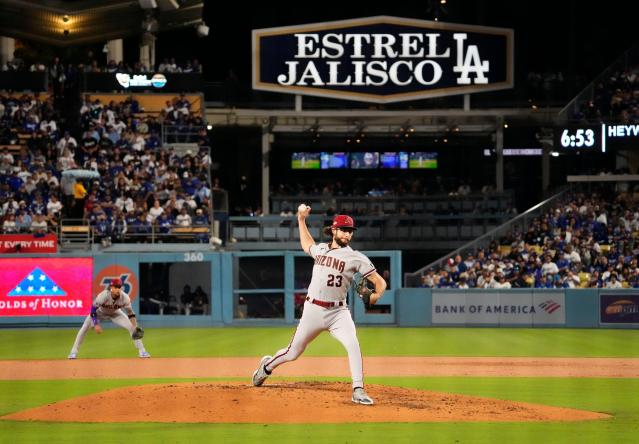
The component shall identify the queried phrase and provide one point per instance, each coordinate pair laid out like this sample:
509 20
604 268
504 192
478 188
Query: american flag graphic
550 306
37 283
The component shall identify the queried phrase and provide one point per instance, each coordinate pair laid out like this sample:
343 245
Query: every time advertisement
45 287
498 308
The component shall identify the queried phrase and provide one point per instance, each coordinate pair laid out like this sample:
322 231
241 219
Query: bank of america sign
382 59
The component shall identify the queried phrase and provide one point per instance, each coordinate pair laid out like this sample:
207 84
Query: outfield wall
268 288
573 308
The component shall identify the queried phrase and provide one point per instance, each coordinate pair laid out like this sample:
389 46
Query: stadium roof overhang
66 23
465 122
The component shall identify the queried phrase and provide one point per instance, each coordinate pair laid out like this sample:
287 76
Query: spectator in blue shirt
14 182
200 218
164 223
153 141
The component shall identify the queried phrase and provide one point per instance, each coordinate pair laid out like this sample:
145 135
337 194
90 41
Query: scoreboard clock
582 137
593 138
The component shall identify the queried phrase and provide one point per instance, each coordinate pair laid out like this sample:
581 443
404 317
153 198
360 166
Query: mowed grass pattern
203 342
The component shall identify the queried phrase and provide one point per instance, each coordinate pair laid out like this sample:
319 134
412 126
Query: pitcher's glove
138 333
365 289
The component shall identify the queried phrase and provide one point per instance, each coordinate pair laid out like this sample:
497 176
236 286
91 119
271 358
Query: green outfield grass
613 396
190 342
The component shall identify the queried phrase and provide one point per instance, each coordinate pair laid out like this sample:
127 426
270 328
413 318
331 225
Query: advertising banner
28 243
619 308
138 82
23 81
45 287
499 307
382 59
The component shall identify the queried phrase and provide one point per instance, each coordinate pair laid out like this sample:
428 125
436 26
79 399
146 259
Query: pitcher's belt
325 304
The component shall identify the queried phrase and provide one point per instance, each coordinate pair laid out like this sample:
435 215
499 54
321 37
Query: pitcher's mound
299 402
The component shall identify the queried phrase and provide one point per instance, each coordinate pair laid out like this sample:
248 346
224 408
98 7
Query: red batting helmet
117 282
343 221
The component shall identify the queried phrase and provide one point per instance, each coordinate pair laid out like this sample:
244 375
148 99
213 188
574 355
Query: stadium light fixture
202 30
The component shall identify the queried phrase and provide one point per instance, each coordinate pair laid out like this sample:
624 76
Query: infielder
325 307
111 305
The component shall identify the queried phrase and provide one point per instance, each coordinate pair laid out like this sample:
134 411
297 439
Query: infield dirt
288 403
300 402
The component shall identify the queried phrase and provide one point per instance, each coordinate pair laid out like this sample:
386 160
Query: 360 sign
382 59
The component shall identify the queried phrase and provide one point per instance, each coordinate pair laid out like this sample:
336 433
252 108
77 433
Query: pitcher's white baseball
301 208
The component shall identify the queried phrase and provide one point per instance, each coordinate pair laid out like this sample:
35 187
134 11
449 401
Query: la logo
469 63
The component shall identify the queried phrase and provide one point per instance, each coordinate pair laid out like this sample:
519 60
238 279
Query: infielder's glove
365 289
138 333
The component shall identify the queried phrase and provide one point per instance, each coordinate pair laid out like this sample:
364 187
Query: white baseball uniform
109 309
326 309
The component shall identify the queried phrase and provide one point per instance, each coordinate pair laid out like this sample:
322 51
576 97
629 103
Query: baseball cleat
144 354
73 356
360 397
260 375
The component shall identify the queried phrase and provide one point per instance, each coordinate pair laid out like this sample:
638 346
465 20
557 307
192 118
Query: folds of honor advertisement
45 286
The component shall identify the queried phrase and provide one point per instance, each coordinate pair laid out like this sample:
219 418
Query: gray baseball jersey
334 270
108 306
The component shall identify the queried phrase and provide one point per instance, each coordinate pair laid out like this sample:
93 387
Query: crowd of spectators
143 186
616 99
588 241
64 75
127 119
399 186
545 86
449 198
167 65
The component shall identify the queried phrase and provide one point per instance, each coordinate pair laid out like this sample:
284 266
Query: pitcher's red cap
343 221
117 282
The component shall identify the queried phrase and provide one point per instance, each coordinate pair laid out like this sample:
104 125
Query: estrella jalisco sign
382 59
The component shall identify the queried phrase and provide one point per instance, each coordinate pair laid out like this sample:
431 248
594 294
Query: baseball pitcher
111 305
336 264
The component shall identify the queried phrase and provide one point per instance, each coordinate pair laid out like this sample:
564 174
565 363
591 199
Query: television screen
394 160
305 161
333 160
364 160
426 160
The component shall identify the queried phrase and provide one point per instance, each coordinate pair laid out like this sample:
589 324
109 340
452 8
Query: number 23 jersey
334 270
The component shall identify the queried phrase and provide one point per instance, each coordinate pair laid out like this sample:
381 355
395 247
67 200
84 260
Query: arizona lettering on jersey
329 261
107 305
334 270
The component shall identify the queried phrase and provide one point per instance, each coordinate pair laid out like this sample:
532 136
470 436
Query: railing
413 229
235 95
74 234
24 81
180 134
435 204
520 222
154 234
